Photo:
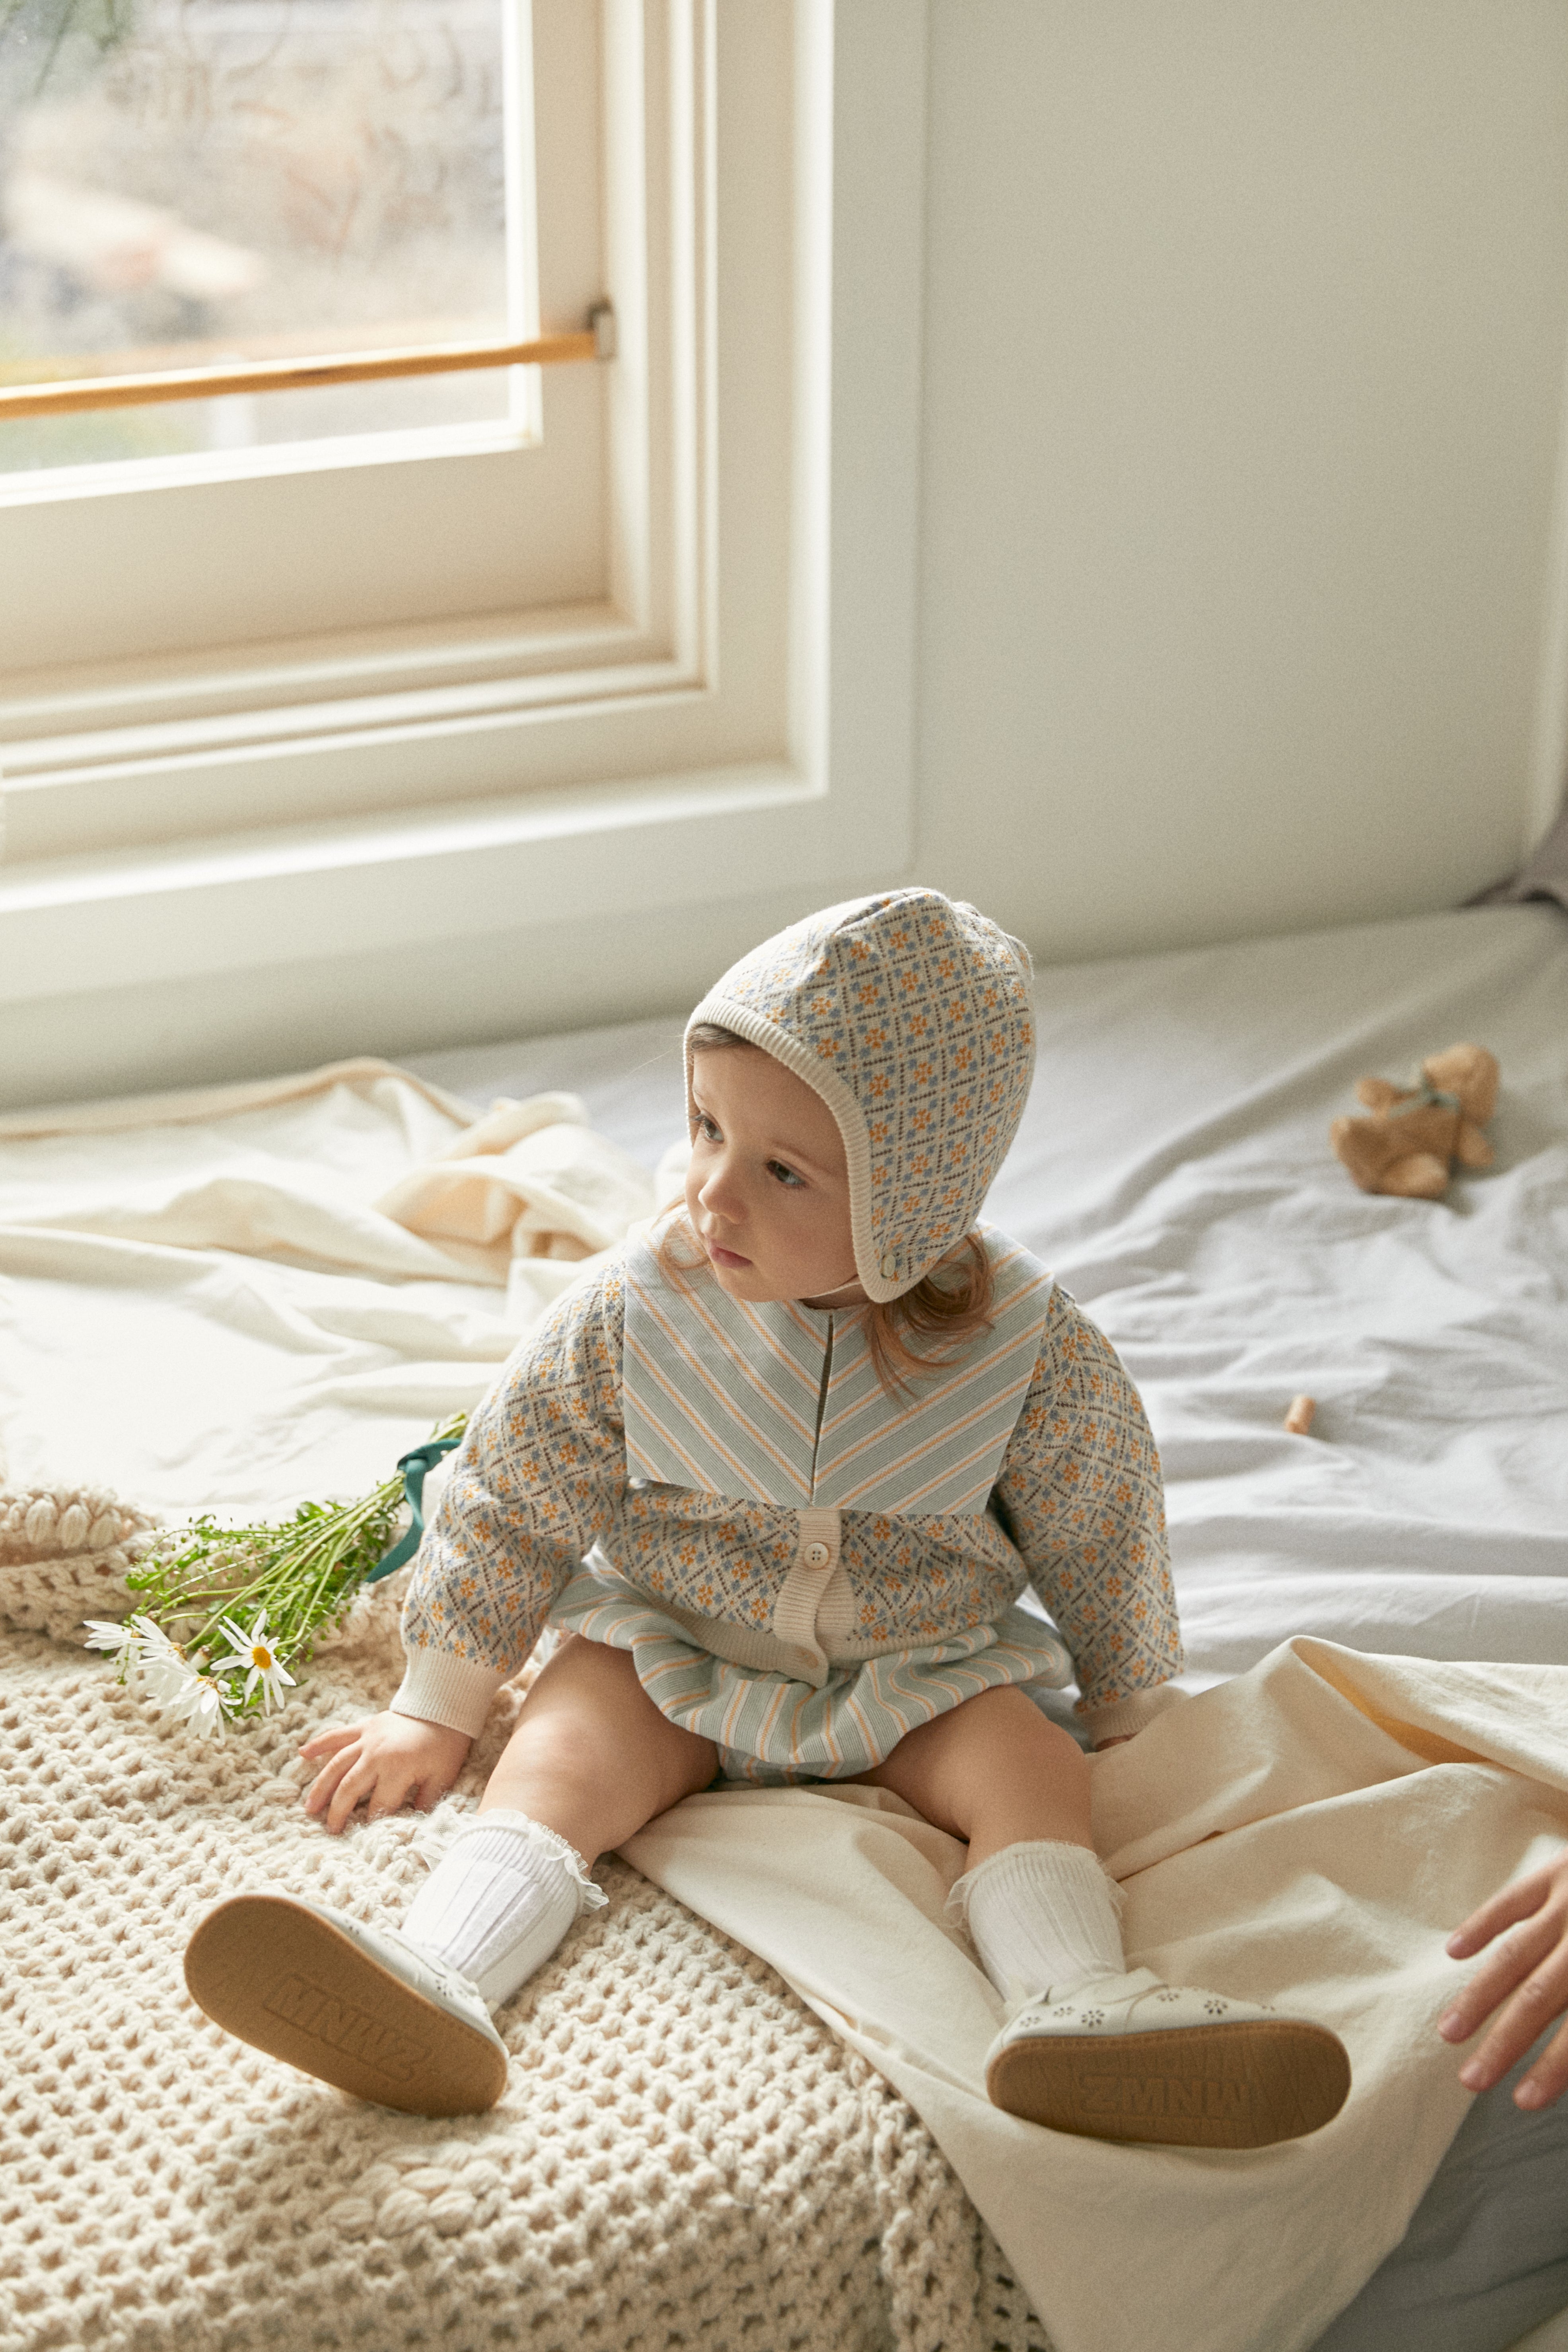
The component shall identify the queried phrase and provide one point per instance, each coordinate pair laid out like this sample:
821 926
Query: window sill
70 924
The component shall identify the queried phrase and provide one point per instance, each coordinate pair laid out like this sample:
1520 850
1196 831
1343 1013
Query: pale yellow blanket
1306 1834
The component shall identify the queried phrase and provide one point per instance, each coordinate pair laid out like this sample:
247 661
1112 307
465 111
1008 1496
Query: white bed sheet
1173 1168
1173 1171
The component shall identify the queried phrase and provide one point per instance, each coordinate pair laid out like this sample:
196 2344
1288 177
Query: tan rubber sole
271 1972
1242 2086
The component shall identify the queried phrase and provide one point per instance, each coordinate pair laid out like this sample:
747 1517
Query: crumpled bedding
1304 1835
266 1293
1173 1170
1186 1194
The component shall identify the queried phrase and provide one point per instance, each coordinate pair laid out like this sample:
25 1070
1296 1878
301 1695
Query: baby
777 1478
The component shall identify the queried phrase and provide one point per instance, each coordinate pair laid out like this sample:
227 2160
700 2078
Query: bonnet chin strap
848 1284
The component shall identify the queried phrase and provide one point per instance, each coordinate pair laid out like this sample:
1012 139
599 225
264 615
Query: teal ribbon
416 1467
1426 1098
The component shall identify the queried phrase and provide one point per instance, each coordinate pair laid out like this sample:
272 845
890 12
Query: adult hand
380 1764
1525 1982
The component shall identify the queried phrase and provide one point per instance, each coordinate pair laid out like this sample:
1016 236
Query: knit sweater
544 1477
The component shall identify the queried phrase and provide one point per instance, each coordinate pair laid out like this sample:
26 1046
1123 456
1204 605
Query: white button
816 1555
890 1266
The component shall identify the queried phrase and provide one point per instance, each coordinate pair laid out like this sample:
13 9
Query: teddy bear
1414 1133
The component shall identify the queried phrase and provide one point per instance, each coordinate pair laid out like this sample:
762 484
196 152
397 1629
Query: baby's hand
1530 1964
380 1764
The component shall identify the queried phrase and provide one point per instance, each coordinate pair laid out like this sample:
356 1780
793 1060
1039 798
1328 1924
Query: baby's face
768 1191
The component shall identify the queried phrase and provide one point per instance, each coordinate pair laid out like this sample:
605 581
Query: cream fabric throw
255 1294
242 1297
1307 1834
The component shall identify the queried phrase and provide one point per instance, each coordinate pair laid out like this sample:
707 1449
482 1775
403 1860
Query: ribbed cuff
591 1895
449 1691
1126 1717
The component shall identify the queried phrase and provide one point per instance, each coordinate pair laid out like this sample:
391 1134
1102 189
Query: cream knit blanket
685 2155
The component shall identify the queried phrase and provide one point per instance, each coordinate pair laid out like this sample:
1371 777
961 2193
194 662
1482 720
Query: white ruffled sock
1042 1916
499 1902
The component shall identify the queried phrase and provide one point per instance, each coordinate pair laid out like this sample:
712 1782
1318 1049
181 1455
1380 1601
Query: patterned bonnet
909 1014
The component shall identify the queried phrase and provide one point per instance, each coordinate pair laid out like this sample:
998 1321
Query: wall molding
1549 744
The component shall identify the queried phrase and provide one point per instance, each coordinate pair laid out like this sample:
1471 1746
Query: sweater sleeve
1082 1497
536 1482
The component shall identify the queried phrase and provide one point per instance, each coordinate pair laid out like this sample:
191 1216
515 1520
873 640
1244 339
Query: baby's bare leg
591 1756
400 2016
995 1772
1037 1905
1089 2045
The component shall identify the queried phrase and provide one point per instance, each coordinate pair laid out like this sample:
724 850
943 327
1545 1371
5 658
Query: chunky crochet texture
63 1557
685 2156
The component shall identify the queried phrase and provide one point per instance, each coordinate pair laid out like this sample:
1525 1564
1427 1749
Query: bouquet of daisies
229 1610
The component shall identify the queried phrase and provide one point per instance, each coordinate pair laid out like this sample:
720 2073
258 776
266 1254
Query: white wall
1245 332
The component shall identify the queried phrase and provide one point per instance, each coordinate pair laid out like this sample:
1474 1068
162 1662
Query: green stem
311 1565
265 1584
306 1572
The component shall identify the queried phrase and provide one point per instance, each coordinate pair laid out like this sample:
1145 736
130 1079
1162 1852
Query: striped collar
781 1404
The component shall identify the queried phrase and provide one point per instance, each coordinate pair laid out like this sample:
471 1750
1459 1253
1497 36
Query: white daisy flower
142 1649
108 1633
254 1654
202 1701
159 1664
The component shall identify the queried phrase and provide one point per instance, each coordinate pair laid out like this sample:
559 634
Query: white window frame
831 798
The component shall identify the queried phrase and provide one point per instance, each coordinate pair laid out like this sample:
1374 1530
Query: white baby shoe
1130 2058
359 2007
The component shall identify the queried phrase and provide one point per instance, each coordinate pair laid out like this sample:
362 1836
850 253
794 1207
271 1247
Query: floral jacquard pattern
541 1477
536 1481
1081 1495
922 1010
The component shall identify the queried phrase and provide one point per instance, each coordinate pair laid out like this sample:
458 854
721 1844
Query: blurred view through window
190 182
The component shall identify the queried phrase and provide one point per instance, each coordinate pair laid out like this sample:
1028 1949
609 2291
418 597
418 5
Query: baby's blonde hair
950 1306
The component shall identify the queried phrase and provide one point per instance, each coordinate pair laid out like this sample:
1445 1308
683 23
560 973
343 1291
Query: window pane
185 181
